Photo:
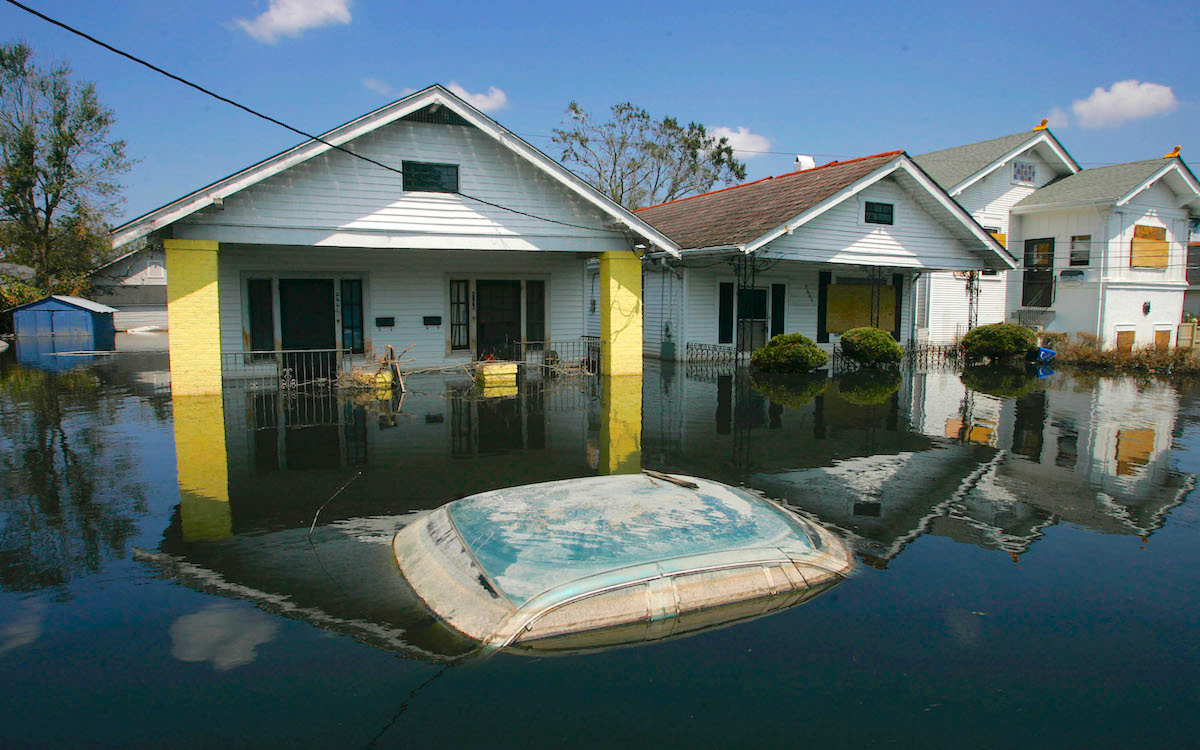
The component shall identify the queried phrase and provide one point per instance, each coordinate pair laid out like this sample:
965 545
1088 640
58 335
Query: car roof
539 538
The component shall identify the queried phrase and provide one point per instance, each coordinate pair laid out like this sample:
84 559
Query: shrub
997 341
868 387
790 352
791 390
1002 382
1085 339
871 346
1054 340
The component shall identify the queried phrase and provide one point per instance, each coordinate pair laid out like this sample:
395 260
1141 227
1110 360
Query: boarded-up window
1081 250
1148 248
999 236
1125 341
1133 450
1162 339
849 306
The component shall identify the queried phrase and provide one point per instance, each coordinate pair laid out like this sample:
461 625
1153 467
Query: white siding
592 295
335 199
662 295
948 305
991 199
406 285
140 317
802 286
143 268
917 240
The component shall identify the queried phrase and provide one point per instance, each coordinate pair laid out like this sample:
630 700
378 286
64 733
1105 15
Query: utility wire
268 118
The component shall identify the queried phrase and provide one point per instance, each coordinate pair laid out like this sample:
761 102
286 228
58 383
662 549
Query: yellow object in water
494 374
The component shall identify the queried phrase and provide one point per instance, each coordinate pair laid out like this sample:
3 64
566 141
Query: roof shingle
1100 183
951 166
742 213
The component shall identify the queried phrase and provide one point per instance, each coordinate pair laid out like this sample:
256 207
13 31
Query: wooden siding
947 300
801 281
337 199
404 285
917 240
991 199
662 294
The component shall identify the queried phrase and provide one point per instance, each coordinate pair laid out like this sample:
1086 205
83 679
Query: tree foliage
58 168
639 161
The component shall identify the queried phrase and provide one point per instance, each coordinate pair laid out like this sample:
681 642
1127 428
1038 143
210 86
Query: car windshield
532 539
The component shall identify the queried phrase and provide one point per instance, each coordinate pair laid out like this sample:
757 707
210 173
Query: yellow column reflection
621 425
203 468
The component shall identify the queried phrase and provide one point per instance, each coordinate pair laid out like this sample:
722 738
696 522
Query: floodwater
188 574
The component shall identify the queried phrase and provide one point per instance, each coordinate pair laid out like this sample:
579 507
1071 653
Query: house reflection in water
880 458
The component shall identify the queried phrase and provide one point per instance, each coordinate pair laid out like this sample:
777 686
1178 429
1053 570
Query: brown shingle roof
742 213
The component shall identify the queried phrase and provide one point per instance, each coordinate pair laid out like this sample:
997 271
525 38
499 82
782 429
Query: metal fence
933 356
710 353
579 357
310 369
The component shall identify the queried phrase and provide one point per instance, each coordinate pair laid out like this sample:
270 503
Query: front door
1037 287
306 323
497 317
752 319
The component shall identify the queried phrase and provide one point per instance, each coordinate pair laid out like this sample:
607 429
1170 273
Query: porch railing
709 353
580 356
289 369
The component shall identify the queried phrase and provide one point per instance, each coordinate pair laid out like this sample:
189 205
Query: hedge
871 346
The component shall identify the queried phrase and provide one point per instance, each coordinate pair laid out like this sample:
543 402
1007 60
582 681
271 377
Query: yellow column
621 424
193 315
203 468
621 313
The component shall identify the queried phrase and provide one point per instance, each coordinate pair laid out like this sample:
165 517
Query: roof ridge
833 163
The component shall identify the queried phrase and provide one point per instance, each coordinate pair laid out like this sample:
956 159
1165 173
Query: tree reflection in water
70 499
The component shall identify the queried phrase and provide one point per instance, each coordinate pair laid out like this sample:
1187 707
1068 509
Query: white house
135 283
987 179
424 225
816 251
1104 251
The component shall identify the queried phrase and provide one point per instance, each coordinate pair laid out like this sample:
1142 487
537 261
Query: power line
270 119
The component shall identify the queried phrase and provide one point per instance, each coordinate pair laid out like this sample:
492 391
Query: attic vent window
1024 172
430 178
435 114
879 213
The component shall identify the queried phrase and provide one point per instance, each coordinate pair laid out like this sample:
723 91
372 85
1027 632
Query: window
1081 250
725 314
1148 248
778 300
878 213
1024 172
535 311
430 178
352 316
459 315
262 315
997 234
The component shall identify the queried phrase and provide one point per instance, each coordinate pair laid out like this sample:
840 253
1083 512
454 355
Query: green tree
638 161
58 168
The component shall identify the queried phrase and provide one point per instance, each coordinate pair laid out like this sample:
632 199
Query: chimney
804 161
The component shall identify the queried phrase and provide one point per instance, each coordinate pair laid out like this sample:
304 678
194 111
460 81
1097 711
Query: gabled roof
742 213
749 216
343 134
957 168
80 302
1116 183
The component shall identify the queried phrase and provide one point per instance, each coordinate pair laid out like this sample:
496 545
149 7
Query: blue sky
836 82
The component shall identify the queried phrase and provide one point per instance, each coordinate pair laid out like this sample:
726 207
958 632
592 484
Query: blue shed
59 316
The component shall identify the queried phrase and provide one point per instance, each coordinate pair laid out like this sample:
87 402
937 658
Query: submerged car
589 563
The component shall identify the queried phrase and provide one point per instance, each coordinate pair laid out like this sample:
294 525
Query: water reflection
985 459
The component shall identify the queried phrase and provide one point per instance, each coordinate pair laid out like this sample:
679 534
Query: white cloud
222 634
491 101
745 144
23 629
1123 102
385 88
294 17
1057 118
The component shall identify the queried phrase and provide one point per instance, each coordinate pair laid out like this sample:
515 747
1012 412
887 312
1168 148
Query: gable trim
1172 166
217 191
1042 136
